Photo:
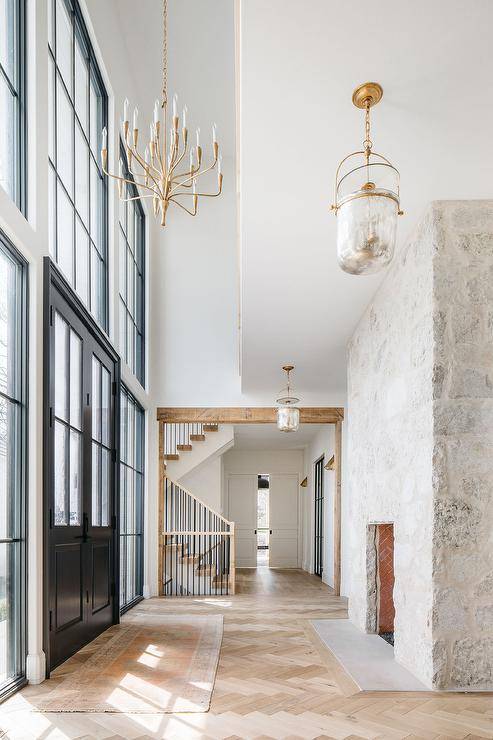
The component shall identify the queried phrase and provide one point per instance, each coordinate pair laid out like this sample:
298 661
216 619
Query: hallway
275 680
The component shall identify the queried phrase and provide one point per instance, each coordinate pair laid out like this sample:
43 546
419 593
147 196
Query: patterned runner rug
150 663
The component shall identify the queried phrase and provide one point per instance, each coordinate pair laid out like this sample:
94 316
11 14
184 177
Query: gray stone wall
420 444
463 445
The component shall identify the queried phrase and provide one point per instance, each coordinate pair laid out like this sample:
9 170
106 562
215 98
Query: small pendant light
367 200
288 416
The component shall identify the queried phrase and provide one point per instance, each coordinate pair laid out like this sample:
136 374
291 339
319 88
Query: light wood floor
275 680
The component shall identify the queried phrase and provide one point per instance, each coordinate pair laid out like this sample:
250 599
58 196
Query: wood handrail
193 531
197 499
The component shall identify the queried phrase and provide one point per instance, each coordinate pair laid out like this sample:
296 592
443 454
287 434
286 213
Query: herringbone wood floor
275 680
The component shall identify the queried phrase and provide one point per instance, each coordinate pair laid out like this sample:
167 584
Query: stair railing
196 545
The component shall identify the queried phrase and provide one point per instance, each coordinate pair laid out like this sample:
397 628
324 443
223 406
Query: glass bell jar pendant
288 416
367 200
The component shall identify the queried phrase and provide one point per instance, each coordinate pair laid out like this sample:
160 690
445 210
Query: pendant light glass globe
288 416
366 230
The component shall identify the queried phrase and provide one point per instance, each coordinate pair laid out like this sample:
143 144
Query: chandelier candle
169 169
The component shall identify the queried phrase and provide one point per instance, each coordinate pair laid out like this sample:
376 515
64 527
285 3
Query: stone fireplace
420 446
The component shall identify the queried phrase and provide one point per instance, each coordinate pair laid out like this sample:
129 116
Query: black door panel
81 481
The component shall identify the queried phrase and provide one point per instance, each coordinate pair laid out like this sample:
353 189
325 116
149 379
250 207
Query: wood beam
337 508
244 415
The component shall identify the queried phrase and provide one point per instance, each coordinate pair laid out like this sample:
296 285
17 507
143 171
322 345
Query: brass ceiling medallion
366 199
168 169
368 94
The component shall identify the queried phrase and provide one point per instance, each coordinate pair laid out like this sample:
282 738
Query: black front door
82 379
319 518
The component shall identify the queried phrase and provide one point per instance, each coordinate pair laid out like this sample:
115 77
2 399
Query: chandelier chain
165 52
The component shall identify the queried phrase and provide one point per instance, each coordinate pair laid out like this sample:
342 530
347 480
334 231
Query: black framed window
77 186
12 99
131 499
13 397
132 278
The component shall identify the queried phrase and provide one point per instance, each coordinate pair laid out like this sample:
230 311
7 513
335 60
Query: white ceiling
268 437
299 65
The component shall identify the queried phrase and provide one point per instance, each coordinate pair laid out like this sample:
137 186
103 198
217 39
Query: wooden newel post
232 559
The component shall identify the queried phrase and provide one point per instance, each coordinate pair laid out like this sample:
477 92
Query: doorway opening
263 530
319 517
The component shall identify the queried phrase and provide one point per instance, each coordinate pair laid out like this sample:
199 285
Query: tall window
131 500
78 198
132 265
12 465
12 99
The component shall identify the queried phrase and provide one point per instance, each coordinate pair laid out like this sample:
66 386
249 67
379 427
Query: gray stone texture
420 445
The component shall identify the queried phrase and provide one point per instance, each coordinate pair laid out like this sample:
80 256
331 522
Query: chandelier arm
196 174
136 197
184 183
174 153
206 195
180 158
138 158
126 180
177 203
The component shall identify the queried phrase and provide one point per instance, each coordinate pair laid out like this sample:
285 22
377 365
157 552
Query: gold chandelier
366 199
169 169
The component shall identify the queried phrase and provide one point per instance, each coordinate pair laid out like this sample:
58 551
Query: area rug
150 664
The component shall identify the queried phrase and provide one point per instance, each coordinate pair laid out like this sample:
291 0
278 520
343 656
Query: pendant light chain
367 142
165 53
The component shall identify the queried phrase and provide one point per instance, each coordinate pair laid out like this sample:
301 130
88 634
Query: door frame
268 415
54 281
318 516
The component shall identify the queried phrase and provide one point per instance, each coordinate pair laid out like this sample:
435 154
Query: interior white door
283 520
242 510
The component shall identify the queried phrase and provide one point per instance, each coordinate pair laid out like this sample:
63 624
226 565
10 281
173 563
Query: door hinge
114 387
51 315
113 453
51 620
51 519
113 522
51 416
113 590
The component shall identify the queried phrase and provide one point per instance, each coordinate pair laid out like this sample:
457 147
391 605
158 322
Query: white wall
263 461
205 482
195 312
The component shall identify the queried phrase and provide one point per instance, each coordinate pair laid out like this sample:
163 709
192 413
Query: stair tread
184 448
197 437
211 427
171 457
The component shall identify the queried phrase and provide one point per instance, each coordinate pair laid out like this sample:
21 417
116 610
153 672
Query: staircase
186 446
196 545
